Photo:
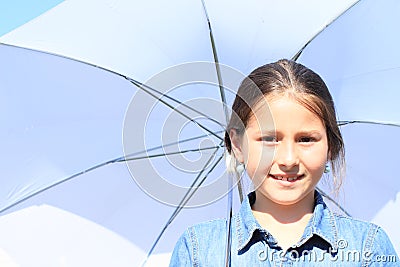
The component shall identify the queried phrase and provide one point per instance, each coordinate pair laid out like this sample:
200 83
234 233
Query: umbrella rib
119 159
188 195
56 184
298 54
162 146
333 201
179 112
140 85
223 98
182 204
186 200
169 153
66 57
216 61
136 83
343 123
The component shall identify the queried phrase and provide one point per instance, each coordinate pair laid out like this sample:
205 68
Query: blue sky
14 13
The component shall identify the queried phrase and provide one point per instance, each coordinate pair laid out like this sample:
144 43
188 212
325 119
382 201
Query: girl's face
285 162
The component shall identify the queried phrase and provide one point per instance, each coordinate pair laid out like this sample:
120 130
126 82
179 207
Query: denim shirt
328 240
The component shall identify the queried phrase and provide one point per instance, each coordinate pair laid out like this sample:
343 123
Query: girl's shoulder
201 244
211 227
367 234
354 226
345 219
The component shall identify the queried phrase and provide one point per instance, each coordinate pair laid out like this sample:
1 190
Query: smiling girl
283 130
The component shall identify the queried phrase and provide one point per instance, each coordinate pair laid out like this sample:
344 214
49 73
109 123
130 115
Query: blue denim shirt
328 240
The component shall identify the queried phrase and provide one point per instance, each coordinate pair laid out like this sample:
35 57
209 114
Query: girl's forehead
284 108
295 99
263 105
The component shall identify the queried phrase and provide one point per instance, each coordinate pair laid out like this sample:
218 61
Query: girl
283 130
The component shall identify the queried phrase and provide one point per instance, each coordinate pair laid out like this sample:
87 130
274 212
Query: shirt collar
322 223
246 223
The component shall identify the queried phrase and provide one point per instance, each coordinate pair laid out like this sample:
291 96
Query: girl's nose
286 155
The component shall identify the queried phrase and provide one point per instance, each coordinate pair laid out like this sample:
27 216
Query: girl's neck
285 222
284 214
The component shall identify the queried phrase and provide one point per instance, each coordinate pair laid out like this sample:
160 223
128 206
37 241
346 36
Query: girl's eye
269 139
306 139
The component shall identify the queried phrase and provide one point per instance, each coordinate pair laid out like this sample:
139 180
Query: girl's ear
236 142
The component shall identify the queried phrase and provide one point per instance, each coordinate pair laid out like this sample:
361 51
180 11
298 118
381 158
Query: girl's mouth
287 178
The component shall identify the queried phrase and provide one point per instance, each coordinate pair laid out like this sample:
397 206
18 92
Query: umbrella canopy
139 39
62 236
65 118
359 58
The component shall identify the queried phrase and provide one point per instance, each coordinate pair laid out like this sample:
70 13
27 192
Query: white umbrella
64 239
358 56
72 114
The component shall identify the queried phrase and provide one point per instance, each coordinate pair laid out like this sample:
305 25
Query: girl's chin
284 198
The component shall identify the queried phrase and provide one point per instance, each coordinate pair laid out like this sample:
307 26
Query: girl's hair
286 77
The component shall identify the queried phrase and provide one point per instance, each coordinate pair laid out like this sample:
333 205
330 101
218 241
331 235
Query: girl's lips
286 177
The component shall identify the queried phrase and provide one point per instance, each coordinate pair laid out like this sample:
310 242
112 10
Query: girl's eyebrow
309 132
267 132
274 132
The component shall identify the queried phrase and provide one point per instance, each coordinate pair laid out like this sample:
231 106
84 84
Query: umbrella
362 71
81 143
59 238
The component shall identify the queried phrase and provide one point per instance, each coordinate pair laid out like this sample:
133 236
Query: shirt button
294 254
